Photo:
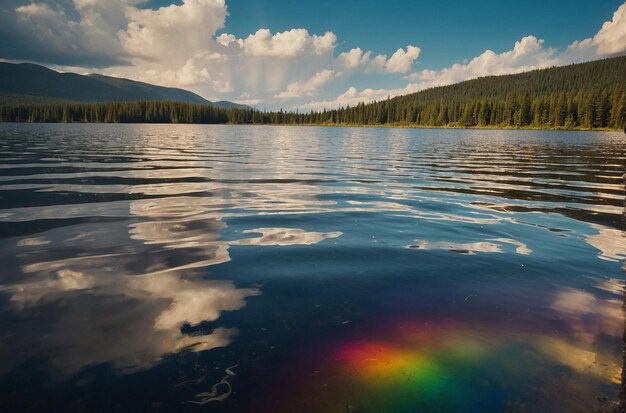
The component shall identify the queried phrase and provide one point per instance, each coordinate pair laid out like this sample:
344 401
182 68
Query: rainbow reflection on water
416 366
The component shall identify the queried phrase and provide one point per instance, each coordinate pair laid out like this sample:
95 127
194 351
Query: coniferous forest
587 96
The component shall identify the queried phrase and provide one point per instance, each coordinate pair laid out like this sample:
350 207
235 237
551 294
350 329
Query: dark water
268 269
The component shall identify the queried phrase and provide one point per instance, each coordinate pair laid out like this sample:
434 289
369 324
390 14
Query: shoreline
400 126
343 125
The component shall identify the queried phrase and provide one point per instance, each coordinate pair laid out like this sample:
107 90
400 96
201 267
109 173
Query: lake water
305 269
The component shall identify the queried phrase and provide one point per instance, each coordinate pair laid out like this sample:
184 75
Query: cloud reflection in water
491 245
123 300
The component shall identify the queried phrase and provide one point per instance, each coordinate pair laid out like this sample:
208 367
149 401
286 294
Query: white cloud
246 99
46 30
175 45
292 43
262 64
611 39
352 97
174 32
282 45
354 58
529 53
38 9
178 45
322 44
188 75
308 87
400 62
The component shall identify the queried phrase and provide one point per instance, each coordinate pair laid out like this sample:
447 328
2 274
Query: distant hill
28 83
585 95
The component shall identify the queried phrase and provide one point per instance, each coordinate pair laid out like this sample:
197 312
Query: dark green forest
588 95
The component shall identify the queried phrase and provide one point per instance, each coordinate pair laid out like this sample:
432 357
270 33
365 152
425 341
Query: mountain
27 83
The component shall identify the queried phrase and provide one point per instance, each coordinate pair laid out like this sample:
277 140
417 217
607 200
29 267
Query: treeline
115 112
599 108
141 112
588 95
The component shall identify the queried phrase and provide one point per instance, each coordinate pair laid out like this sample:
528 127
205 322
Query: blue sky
303 54
447 31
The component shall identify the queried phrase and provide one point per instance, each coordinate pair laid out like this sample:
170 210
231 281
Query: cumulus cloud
246 99
528 53
172 32
179 45
611 39
263 64
354 58
83 32
308 87
352 97
400 62
287 44
175 45
283 45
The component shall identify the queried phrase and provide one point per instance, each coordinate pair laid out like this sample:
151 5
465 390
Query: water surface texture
293 269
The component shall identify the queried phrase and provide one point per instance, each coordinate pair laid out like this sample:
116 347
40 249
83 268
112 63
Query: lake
309 269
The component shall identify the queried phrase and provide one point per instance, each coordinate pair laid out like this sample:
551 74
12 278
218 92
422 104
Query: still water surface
287 269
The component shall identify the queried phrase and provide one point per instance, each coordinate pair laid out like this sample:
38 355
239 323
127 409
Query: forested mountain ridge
588 95
28 83
585 95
